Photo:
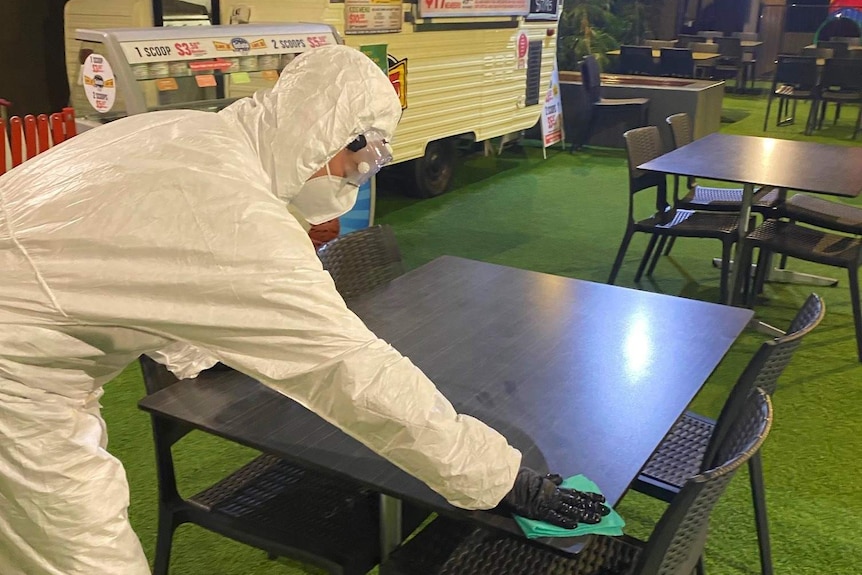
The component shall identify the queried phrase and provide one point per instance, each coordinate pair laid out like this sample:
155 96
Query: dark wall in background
32 66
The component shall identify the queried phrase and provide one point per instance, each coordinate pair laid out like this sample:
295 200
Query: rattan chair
608 115
362 260
643 145
697 197
447 547
765 199
731 63
689 448
276 506
808 244
795 79
636 60
676 62
841 83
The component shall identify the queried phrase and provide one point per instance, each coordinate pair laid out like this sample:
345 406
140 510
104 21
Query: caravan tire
432 173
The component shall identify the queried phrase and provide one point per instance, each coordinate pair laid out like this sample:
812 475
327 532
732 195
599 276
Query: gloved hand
539 497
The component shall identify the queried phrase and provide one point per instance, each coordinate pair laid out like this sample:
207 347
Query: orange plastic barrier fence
24 139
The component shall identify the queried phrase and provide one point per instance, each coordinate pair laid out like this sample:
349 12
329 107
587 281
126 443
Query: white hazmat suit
168 229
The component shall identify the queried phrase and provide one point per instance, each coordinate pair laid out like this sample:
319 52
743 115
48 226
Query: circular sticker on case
99 84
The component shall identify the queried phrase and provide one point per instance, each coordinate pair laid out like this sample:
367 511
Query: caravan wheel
433 172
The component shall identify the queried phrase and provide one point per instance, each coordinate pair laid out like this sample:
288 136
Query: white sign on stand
552 115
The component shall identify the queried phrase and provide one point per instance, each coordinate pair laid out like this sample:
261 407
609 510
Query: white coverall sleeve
260 302
183 360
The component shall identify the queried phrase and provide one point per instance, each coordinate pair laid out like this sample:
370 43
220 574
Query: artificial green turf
565 215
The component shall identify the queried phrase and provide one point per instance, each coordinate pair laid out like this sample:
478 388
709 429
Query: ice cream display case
131 71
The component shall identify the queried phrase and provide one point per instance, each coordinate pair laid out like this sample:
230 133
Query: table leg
735 282
390 524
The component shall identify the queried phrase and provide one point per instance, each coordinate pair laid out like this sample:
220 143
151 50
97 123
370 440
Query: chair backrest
839 49
591 78
705 47
842 74
729 48
677 62
798 71
636 60
362 260
642 145
657 44
680 129
679 537
763 371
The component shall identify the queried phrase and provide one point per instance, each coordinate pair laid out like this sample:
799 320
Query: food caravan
462 68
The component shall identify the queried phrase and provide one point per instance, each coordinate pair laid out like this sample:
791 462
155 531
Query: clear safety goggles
370 152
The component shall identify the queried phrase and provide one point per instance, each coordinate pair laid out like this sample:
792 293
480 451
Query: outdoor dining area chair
676 545
689 447
643 145
841 84
362 260
795 80
808 244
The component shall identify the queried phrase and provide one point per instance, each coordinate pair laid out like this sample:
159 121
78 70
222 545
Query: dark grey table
754 161
581 377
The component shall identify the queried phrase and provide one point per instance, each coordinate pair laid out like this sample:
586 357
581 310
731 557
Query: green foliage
598 26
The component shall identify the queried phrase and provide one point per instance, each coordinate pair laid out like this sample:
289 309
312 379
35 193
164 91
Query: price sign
372 16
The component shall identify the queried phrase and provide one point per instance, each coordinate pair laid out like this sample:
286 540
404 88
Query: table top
582 377
802 166
656 53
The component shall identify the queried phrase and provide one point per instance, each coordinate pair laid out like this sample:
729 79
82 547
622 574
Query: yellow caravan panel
463 74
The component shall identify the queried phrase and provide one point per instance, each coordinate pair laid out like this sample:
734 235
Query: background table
754 161
581 377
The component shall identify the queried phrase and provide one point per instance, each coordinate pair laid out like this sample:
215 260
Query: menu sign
145 52
451 8
372 16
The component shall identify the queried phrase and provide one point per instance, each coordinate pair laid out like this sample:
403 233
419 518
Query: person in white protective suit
169 230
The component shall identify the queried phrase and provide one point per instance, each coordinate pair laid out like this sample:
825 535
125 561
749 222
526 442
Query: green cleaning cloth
611 524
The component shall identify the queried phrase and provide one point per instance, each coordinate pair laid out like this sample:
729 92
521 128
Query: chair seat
677 458
824 213
793 92
729 198
447 547
275 501
807 243
691 223
841 96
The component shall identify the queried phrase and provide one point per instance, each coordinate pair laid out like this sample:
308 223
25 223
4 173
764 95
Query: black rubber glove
539 497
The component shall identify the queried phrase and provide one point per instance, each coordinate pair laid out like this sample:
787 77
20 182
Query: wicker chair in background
764 202
643 145
676 62
795 79
362 260
690 446
841 83
447 547
808 244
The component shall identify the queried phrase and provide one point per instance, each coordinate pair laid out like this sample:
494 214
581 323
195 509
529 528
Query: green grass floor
565 215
